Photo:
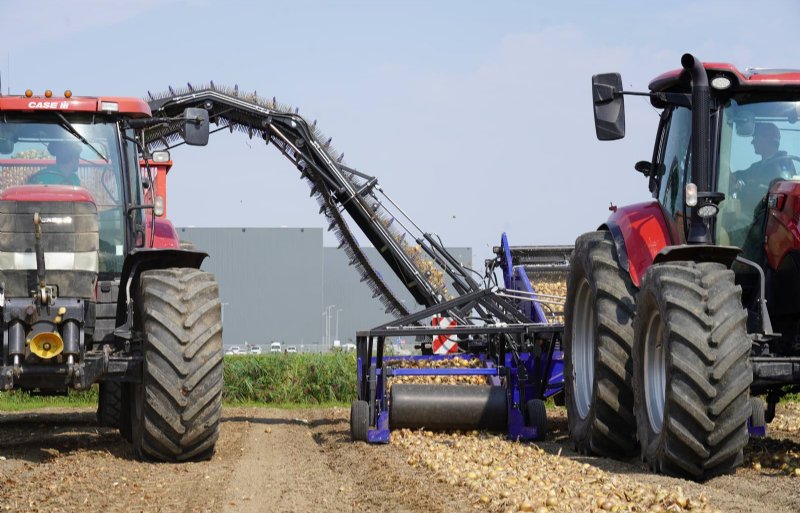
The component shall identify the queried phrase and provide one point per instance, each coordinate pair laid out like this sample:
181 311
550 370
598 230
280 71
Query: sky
475 116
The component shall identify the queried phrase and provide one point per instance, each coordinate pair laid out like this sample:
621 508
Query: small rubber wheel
359 421
758 416
110 404
536 414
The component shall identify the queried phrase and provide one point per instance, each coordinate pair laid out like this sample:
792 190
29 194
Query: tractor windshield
46 152
759 144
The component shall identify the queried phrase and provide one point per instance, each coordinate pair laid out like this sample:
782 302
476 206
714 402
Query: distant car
291 349
275 347
255 350
234 350
349 347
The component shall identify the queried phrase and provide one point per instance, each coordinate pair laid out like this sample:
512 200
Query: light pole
325 327
328 323
222 313
337 323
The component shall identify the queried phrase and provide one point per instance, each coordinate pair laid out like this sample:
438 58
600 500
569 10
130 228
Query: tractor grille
70 242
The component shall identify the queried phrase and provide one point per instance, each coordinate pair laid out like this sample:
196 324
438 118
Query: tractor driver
65 170
752 184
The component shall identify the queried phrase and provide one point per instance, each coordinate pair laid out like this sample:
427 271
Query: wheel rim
583 344
655 376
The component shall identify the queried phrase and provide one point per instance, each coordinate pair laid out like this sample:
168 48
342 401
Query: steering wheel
105 180
747 180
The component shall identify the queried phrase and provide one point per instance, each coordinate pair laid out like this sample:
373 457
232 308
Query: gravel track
274 460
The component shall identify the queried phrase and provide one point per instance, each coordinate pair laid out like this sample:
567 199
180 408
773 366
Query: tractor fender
724 255
164 235
146 259
640 232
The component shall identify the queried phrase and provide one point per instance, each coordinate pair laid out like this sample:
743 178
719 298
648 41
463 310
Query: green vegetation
17 400
300 378
791 398
283 380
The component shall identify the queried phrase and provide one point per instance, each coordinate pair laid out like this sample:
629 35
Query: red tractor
93 284
683 310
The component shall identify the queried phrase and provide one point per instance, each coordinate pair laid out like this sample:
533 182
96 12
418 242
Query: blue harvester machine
509 334
504 328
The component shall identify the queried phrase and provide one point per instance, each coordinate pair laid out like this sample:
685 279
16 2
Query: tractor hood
47 193
69 239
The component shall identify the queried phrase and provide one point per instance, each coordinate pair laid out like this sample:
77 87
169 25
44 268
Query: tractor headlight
707 210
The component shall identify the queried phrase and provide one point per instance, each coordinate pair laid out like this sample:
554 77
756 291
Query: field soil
58 460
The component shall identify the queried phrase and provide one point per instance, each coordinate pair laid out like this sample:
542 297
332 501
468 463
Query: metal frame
522 357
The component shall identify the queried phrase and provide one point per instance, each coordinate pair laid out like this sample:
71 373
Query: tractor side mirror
609 106
644 167
195 129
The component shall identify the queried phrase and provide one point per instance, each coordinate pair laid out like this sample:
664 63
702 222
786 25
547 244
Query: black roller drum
442 407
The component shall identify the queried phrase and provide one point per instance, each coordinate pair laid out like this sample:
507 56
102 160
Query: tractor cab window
674 163
46 153
759 145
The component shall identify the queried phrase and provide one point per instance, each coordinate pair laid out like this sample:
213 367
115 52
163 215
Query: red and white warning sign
444 344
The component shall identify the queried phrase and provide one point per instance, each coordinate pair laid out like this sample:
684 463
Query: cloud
28 23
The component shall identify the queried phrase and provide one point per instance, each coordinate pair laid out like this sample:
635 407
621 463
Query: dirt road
302 460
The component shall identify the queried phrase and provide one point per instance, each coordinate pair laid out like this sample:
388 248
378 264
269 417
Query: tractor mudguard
640 232
698 253
164 235
145 259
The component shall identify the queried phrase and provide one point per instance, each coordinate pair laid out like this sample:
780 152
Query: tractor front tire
692 371
598 339
176 408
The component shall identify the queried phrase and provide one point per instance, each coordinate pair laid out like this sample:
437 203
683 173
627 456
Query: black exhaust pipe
699 232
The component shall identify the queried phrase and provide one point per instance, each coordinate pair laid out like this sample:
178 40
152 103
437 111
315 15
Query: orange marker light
28 93
48 93
67 94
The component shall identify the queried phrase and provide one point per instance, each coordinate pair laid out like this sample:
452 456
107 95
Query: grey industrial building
282 284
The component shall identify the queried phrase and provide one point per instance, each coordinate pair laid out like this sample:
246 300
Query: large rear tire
692 371
176 408
598 338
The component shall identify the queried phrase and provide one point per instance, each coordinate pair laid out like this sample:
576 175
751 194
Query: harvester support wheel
758 415
176 408
692 372
126 419
359 421
598 339
536 415
109 404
